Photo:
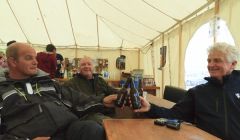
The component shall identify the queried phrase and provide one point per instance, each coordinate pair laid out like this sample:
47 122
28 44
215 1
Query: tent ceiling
91 23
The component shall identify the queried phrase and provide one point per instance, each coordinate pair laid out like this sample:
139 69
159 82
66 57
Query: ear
234 64
11 61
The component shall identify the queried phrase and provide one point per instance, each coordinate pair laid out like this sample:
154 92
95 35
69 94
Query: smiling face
86 67
218 66
24 65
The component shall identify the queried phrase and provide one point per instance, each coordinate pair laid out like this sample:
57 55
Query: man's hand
41 138
109 101
145 105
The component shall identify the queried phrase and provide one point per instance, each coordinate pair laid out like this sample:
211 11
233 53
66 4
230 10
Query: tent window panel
196 67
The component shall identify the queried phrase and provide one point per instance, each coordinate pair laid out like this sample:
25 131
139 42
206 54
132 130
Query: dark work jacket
51 108
99 87
213 107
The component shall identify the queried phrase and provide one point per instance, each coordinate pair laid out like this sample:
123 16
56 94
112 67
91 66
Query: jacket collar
95 75
217 82
4 75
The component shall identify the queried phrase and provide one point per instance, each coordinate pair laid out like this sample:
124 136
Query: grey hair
86 58
230 52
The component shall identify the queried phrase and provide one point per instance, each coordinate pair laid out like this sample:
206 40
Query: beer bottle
122 97
134 96
140 88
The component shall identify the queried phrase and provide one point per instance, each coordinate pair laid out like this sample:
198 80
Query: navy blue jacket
213 107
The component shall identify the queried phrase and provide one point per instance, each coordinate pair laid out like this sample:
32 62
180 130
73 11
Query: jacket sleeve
10 137
108 89
78 102
183 110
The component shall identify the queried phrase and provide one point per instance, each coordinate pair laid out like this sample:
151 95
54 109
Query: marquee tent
106 29
92 23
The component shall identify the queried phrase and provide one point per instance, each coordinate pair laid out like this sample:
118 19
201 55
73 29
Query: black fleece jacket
213 107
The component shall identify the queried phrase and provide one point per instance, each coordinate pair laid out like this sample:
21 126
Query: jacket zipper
225 115
217 104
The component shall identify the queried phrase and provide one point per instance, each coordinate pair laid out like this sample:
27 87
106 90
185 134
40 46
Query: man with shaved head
35 107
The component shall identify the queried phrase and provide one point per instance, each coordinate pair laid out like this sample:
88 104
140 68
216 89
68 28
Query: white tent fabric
91 23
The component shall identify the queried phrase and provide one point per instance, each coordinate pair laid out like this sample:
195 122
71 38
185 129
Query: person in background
47 60
214 106
3 60
35 107
91 84
60 66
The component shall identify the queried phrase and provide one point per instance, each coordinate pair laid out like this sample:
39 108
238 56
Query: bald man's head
21 60
13 49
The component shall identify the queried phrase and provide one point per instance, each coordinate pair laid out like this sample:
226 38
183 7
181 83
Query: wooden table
144 129
151 89
159 101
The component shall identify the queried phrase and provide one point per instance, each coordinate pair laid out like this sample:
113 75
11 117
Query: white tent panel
177 9
84 23
115 17
126 44
56 17
127 35
149 17
91 23
30 21
9 28
106 37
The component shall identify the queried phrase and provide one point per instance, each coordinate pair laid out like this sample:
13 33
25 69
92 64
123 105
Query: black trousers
82 130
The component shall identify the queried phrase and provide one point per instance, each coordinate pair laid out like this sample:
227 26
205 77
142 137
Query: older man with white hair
215 105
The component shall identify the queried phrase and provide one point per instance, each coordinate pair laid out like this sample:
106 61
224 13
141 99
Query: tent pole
97 33
153 59
180 65
216 12
139 58
162 89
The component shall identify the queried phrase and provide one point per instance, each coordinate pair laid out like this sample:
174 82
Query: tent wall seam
17 21
114 23
97 32
117 33
45 26
131 17
149 47
182 21
153 60
69 16
169 60
177 20
125 29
